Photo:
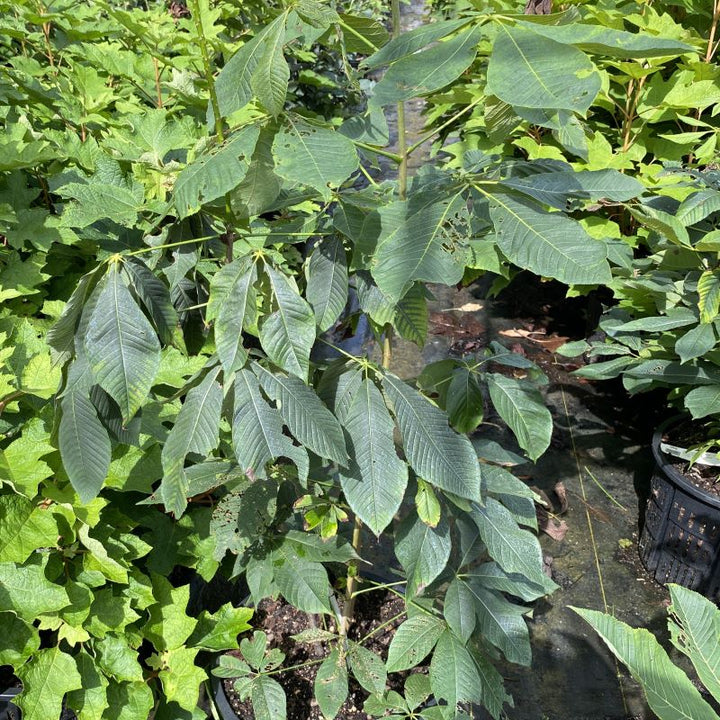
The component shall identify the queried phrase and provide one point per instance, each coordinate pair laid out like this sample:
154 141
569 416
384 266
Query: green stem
402 141
378 151
207 67
142 251
349 604
447 123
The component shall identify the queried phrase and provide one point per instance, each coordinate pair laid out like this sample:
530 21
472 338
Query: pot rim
674 475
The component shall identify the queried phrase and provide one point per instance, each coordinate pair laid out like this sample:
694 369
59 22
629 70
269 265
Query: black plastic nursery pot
8 710
680 540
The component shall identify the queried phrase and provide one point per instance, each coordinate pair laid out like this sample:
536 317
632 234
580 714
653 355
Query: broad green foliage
693 625
191 237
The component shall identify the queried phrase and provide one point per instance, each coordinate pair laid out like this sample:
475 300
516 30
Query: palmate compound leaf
258 430
694 629
46 678
287 334
195 430
215 172
122 346
669 692
423 551
314 156
532 71
375 480
304 414
83 441
548 244
327 281
435 451
232 305
413 245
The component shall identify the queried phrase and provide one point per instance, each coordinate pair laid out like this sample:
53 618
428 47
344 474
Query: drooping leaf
501 623
331 684
413 641
327 281
83 440
287 335
669 692
261 186
362 34
428 70
515 550
155 296
122 346
529 70
305 415
523 409
549 244
257 429
464 402
423 551
314 156
215 172
195 430
232 306
374 483
436 453
459 609
46 678
708 288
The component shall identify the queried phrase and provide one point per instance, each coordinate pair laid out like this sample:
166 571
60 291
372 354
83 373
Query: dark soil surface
280 620
704 477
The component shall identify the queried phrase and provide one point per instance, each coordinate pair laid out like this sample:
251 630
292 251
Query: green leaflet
557 188
464 402
313 156
609 41
412 41
233 84
459 609
215 172
362 34
195 430
529 70
669 692
367 668
412 244
521 406
306 417
549 244
257 429
46 678
287 334
327 281
703 401
423 551
413 641
453 674
268 699
435 452
695 342
155 297
82 439
331 684
269 81
708 288
232 305
694 627
122 346
514 550
375 481
302 583
423 72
